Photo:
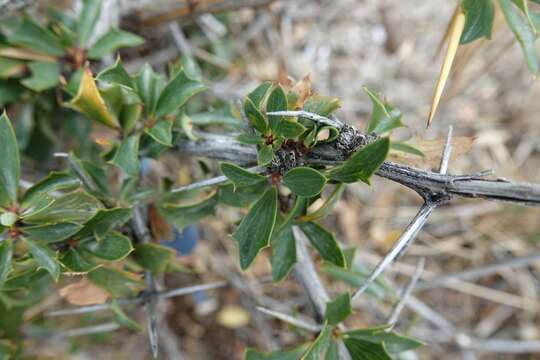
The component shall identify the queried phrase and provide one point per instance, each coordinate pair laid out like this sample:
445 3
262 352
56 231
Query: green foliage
338 309
10 169
304 181
384 117
479 16
240 177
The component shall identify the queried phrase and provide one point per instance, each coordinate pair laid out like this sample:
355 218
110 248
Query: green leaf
24 280
10 90
240 177
283 253
45 75
479 16
103 221
177 93
277 101
290 129
265 154
153 257
364 350
87 20
187 126
10 171
253 233
258 95
255 117
74 261
328 205
363 164
406 148
324 241
6 254
33 36
123 319
55 181
294 354
112 247
11 68
183 215
393 342
112 41
532 18
250 139
76 206
523 32
318 349
161 132
384 117
45 257
127 156
356 279
149 86
338 309
304 181
332 352
51 233
116 74
117 283
322 105
228 196
90 103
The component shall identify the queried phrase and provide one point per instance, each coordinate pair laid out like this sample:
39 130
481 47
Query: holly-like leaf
183 215
228 196
51 233
149 86
363 164
153 257
77 262
10 171
112 247
45 75
290 129
88 18
319 347
90 103
113 40
161 132
255 117
304 181
240 177
253 233
127 156
6 254
324 242
103 221
45 258
277 101
283 253
117 283
177 93
384 117
31 35
393 342
116 74
523 32
406 148
76 206
322 105
258 95
55 181
365 350
479 16
265 154
338 309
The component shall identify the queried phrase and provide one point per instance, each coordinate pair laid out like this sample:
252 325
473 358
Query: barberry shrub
84 220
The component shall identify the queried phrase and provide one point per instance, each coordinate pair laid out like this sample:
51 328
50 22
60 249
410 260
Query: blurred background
392 47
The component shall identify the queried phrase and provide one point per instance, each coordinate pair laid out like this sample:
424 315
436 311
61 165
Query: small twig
89 330
396 312
309 115
295 321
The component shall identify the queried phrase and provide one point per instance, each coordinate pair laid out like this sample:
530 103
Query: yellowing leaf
90 103
454 35
83 293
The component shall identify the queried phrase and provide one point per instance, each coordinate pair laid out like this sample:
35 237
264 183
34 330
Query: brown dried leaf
84 292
